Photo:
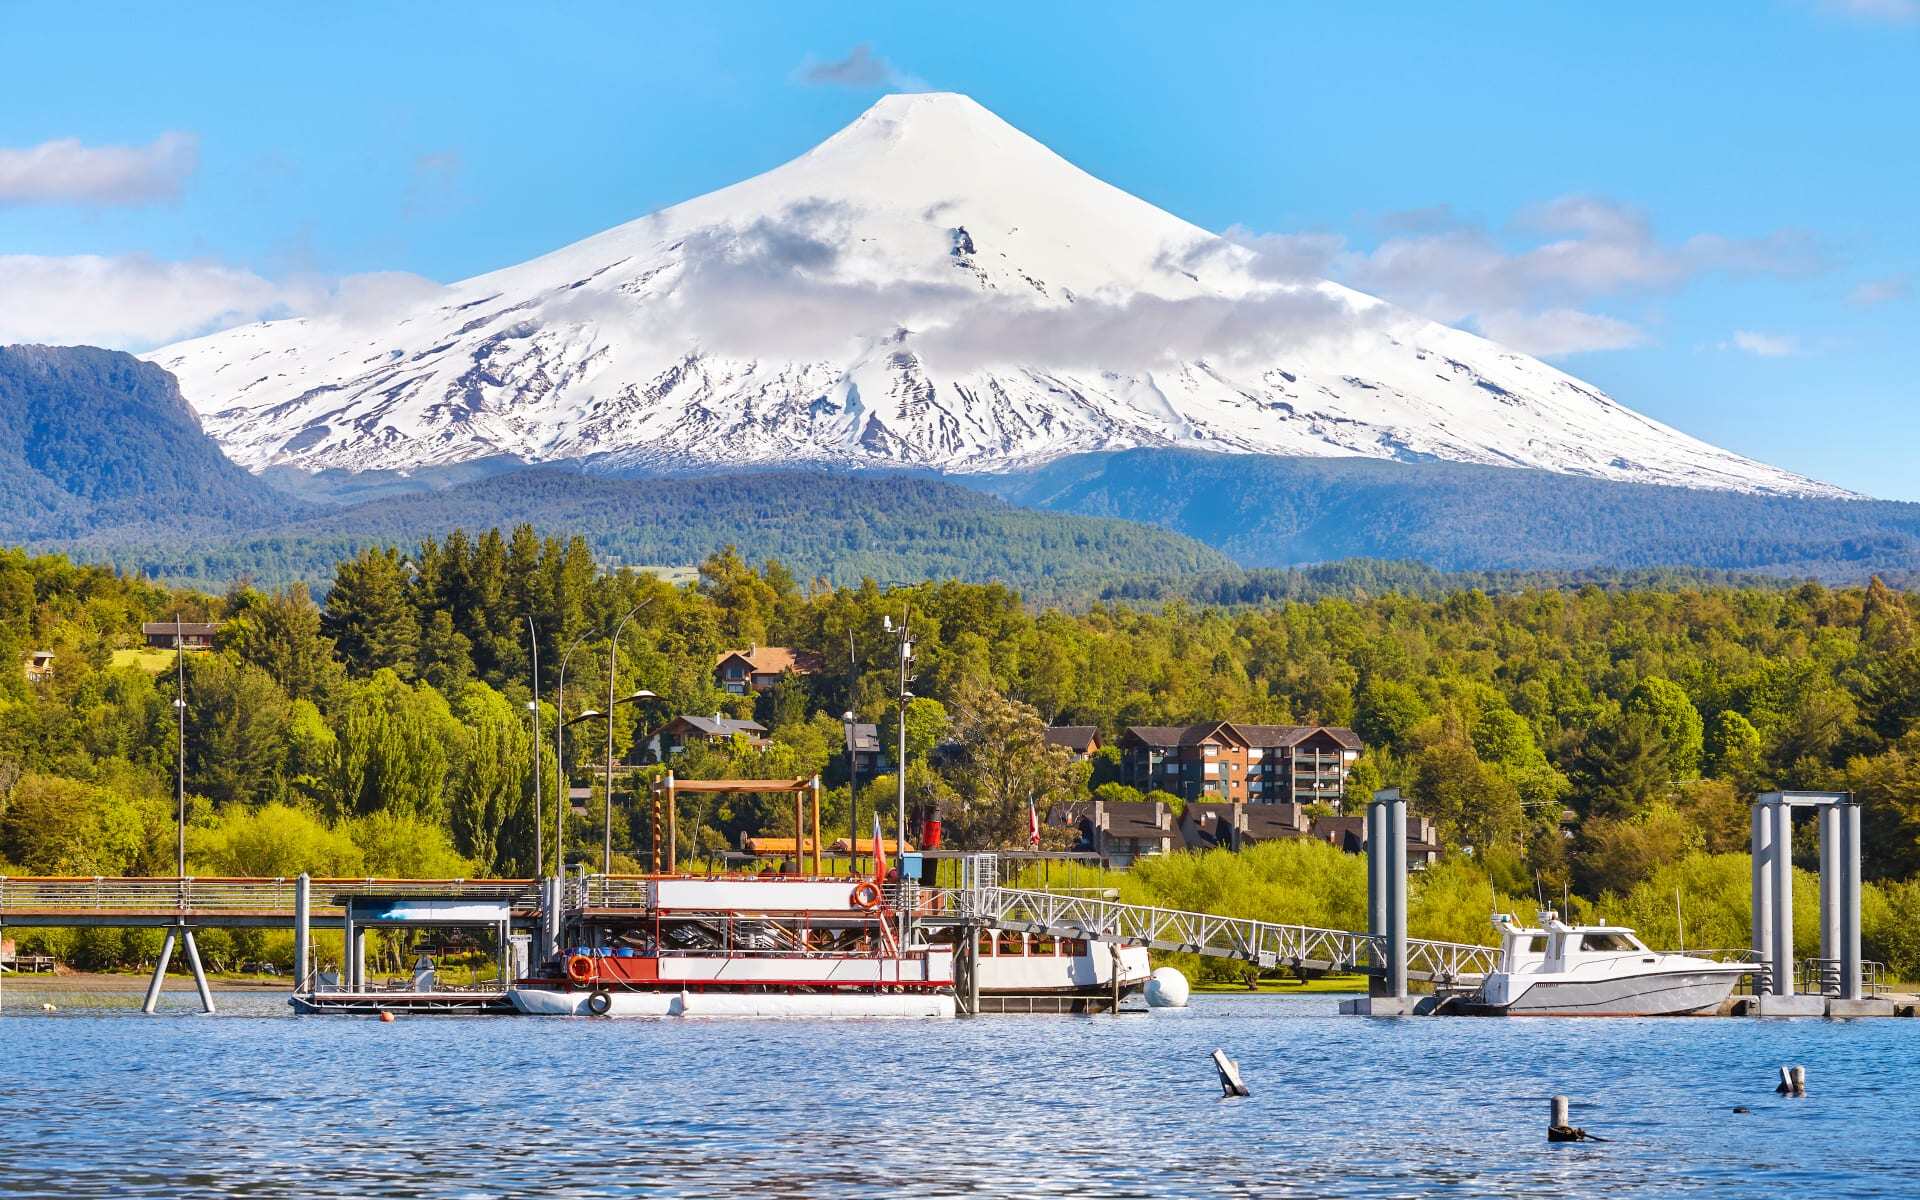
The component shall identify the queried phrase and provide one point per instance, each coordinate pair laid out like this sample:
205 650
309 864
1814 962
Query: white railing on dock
1266 943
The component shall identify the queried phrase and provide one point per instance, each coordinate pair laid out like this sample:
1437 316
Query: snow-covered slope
927 287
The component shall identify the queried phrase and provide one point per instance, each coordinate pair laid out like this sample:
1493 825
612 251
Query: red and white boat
754 946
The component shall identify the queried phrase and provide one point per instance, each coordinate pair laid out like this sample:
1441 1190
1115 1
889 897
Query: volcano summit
929 287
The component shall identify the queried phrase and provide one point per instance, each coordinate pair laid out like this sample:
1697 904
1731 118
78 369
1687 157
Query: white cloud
1531 287
1881 291
1765 345
137 302
67 172
861 68
1896 12
1560 331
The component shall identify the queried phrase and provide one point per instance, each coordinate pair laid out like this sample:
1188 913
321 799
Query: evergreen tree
371 616
1623 769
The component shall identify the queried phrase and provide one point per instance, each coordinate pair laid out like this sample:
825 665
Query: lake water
255 1102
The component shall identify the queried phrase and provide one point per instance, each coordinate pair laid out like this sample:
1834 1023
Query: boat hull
1655 994
554 1002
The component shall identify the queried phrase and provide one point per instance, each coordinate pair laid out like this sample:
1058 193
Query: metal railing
41 895
1266 943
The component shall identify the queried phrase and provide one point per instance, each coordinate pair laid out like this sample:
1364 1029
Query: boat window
1536 944
1606 941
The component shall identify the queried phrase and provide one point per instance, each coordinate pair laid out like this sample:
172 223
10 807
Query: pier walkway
69 903
1264 943
30 902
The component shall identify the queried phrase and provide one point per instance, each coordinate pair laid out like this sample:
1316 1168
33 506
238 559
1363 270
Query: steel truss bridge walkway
980 900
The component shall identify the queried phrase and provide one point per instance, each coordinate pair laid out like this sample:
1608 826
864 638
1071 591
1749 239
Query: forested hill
95 439
1276 512
836 526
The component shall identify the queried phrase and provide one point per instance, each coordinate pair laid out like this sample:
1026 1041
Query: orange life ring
580 968
866 894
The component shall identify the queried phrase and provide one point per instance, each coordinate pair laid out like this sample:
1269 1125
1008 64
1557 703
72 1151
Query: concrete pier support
1847 813
1397 898
1830 881
1376 873
159 975
1839 821
1386 906
1782 864
303 933
1762 883
199 974
347 982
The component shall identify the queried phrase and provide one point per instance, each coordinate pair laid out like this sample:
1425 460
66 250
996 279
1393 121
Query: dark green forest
1601 740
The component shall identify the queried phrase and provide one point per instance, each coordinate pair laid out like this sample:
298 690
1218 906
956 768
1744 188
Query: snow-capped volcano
927 287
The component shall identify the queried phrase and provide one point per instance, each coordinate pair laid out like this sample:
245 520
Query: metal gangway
78 902
980 900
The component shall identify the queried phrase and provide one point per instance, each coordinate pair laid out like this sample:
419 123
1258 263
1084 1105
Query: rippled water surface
255 1102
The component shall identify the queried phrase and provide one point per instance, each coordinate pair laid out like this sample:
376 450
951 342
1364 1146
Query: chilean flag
1033 825
879 853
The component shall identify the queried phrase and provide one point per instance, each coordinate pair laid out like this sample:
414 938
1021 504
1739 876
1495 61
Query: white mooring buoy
1167 988
1230 1081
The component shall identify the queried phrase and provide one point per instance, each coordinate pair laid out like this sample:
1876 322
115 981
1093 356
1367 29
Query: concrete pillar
347 981
1397 898
199 974
159 975
1782 863
302 932
1376 869
1829 881
1762 881
1849 864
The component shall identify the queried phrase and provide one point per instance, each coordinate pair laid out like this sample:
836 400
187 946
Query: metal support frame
183 936
1839 832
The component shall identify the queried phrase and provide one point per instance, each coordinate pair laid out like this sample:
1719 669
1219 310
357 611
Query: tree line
1579 739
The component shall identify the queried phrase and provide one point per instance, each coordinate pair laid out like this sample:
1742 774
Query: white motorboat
1561 970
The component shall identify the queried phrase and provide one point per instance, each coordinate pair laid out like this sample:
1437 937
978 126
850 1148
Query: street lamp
906 657
594 714
180 711
561 802
533 706
853 789
613 670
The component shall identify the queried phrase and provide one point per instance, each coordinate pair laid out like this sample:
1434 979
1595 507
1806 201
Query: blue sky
1708 210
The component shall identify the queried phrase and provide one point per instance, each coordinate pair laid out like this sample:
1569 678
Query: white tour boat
1561 970
1021 965
746 946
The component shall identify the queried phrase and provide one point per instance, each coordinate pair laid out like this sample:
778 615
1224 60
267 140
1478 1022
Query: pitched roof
1257 736
1073 737
774 660
717 726
863 738
186 628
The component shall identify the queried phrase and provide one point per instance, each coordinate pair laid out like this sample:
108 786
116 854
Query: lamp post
900 772
594 714
561 802
853 789
533 706
180 756
613 670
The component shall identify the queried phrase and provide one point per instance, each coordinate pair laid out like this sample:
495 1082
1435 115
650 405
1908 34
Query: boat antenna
1680 920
